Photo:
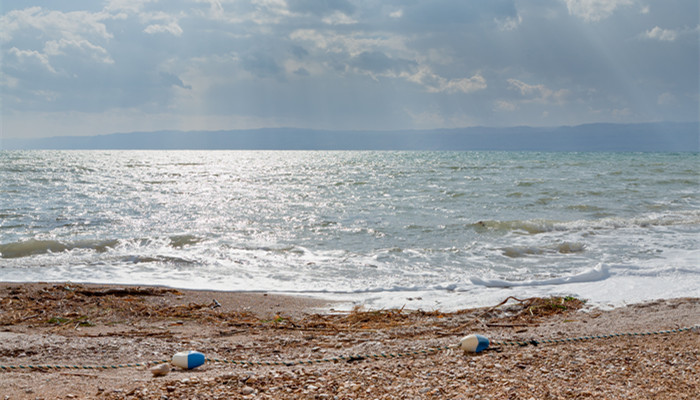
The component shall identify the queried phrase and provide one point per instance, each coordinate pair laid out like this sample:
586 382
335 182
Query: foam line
598 273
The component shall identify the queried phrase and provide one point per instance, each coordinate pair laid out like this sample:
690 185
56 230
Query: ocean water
429 230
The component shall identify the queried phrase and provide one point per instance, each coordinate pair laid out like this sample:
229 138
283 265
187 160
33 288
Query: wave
388 289
562 248
538 226
33 247
598 273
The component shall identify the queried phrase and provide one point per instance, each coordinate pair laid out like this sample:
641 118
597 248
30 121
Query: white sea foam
600 272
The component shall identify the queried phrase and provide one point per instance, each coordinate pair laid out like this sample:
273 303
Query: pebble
160 370
247 390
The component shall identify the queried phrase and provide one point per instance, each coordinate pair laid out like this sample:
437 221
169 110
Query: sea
419 230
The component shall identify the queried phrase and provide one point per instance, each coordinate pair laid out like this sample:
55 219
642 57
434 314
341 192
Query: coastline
79 324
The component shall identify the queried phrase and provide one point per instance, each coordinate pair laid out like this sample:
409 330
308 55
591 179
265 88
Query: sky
88 67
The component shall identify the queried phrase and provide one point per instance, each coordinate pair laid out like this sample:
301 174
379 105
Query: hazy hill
646 137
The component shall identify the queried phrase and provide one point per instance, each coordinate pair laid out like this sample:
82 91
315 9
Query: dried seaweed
76 305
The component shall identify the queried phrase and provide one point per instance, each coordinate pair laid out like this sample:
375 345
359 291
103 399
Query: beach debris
160 370
188 359
474 343
121 292
215 304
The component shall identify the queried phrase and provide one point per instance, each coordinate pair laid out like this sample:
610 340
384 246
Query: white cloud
538 93
504 105
62 31
352 43
434 83
172 28
133 6
8 81
72 25
508 23
664 35
594 10
396 14
338 18
24 55
58 47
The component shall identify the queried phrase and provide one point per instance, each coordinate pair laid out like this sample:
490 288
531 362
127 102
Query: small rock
160 370
247 390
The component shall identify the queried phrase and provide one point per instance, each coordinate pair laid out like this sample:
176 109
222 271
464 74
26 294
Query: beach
326 354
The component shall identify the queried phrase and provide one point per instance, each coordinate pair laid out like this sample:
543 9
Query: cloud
445 14
133 6
434 83
339 18
508 23
68 47
594 10
24 55
664 35
172 79
505 105
378 62
172 28
351 43
321 7
307 62
53 24
396 14
261 65
46 35
538 93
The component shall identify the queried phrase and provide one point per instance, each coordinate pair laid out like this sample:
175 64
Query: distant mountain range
644 137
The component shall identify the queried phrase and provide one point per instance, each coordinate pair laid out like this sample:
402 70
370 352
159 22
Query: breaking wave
538 226
598 273
33 247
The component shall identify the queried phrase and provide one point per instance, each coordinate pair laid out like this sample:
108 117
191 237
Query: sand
100 325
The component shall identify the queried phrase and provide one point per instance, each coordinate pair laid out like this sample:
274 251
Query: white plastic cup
188 359
474 343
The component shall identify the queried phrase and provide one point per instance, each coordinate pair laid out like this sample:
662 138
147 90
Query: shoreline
333 302
95 324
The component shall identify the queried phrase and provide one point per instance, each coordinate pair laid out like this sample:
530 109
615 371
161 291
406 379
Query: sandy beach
99 325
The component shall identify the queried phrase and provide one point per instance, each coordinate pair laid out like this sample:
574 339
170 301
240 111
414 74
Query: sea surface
429 230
